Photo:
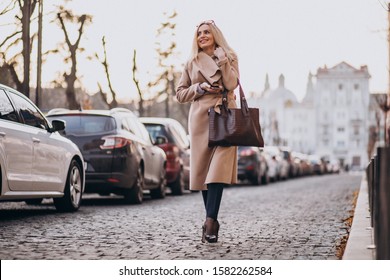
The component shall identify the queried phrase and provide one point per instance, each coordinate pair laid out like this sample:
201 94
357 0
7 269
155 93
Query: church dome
281 93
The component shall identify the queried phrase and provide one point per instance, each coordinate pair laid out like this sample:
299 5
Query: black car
118 152
252 165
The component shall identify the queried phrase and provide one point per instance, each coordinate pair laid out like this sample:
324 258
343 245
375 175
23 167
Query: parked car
252 165
335 166
303 162
177 150
281 163
36 162
317 164
332 165
293 166
120 156
272 166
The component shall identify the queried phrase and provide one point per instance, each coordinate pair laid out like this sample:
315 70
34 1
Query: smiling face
206 39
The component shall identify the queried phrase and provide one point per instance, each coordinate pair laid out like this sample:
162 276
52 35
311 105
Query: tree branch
9 37
64 29
8 8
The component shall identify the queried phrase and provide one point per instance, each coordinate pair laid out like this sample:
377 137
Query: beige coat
208 165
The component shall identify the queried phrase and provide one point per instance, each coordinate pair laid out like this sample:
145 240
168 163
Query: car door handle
2 134
36 140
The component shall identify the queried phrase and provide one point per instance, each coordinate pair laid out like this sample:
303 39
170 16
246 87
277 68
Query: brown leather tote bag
235 126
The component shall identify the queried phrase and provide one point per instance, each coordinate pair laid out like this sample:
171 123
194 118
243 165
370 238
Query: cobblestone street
295 219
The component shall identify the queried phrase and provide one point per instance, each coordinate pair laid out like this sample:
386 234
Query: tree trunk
70 92
26 16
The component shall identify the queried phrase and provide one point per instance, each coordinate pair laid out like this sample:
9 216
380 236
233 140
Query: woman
211 69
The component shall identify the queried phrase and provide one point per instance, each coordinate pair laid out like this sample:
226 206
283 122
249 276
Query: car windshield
86 124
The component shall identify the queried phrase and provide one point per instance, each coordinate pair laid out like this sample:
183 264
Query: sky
270 37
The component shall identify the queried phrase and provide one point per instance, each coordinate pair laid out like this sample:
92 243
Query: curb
360 244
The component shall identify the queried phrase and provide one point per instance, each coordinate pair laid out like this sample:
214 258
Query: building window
340 86
356 86
326 143
325 130
325 116
340 129
355 130
340 143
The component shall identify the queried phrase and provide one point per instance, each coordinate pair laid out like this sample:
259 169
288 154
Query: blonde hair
218 38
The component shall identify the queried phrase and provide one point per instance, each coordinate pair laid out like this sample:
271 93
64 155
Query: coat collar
208 68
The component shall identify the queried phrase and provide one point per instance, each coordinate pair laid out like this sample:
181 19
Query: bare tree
383 104
165 81
104 62
22 34
70 78
136 81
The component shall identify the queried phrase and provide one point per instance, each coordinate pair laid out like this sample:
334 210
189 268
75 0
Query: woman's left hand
215 89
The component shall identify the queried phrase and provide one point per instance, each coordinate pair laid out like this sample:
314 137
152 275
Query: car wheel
73 190
35 201
159 192
256 179
177 187
135 195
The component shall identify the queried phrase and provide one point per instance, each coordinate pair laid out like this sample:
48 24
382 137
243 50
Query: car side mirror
161 140
57 125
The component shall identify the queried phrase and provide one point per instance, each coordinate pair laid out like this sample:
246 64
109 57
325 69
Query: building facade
331 121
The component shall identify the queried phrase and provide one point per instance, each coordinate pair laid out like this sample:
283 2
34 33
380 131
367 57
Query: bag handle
243 103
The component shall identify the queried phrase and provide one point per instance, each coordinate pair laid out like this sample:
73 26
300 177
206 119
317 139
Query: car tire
256 179
135 195
71 200
34 201
177 187
160 191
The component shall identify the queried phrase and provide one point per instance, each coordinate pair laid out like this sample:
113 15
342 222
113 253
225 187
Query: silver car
36 162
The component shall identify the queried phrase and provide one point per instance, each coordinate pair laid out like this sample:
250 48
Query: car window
132 127
7 111
127 127
139 129
86 124
157 130
180 135
29 112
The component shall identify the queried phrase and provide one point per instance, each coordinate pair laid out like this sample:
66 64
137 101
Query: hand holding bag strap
243 103
225 103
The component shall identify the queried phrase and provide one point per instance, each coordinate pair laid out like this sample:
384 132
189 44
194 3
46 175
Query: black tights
212 199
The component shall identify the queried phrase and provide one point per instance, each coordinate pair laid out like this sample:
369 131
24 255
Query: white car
36 162
282 164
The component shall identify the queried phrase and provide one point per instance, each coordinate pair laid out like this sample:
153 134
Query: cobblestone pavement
295 219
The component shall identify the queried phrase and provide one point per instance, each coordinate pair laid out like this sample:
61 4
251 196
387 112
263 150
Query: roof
343 67
63 111
281 92
158 120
